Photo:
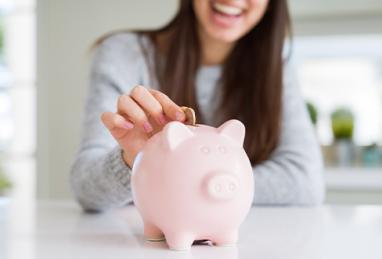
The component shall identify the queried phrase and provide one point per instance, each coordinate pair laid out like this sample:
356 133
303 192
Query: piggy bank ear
174 133
233 129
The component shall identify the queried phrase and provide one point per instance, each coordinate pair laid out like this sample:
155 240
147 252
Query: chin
225 36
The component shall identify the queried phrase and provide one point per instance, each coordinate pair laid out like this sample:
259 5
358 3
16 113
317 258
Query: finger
113 120
146 100
117 125
126 105
171 109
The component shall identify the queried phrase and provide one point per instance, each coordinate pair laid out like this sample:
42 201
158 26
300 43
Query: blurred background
44 62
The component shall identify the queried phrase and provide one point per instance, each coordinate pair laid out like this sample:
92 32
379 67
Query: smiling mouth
226 10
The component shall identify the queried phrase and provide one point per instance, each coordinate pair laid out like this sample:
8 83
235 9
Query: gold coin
190 115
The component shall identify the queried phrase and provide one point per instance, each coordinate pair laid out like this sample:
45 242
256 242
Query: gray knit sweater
100 179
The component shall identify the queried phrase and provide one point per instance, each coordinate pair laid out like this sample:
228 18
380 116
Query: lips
225 15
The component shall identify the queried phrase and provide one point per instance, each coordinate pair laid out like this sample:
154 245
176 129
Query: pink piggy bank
193 183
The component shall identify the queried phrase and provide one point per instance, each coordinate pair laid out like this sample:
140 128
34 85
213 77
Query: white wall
66 29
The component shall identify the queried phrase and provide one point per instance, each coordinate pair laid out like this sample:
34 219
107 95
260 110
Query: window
17 94
337 72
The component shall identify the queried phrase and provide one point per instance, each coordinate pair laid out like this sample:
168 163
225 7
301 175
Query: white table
54 229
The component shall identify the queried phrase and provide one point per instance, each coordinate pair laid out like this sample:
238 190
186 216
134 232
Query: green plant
312 112
5 183
342 124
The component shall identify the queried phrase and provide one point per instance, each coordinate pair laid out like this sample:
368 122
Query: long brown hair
250 87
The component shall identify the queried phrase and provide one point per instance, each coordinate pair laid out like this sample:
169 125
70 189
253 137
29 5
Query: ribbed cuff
118 167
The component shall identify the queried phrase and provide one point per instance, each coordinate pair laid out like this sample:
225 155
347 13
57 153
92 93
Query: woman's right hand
140 114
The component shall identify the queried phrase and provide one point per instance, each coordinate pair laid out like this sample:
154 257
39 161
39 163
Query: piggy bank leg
180 241
227 238
152 232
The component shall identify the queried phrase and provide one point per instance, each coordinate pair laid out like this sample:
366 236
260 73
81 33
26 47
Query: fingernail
162 119
179 116
147 127
128 125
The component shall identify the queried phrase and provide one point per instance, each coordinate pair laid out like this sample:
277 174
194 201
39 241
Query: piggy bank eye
222 149
205 149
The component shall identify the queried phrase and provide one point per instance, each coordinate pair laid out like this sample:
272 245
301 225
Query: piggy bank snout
222 186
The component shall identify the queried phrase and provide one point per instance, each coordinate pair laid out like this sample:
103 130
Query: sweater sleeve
100 179
293 174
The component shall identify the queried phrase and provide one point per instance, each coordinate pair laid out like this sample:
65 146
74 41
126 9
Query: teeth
227 9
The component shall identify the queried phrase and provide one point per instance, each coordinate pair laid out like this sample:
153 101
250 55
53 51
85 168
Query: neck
214 52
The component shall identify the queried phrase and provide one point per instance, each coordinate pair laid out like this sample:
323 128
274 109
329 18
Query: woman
224 58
